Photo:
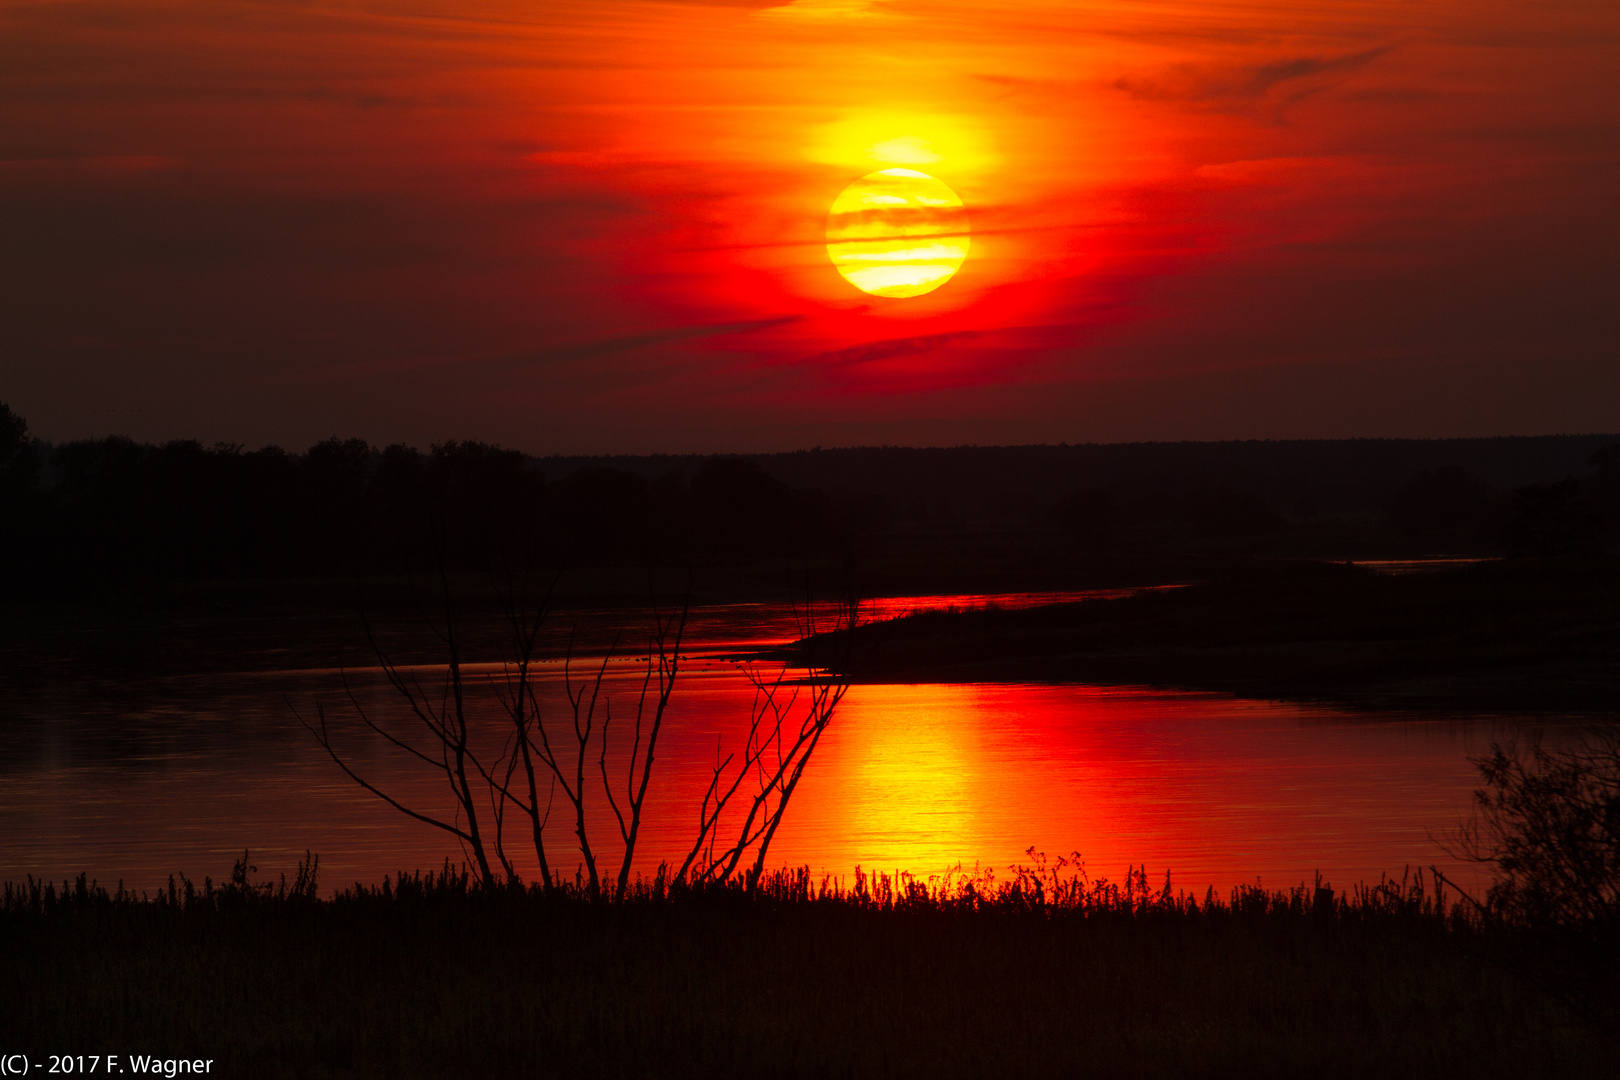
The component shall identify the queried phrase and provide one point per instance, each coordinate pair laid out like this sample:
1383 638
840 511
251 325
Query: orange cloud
211 207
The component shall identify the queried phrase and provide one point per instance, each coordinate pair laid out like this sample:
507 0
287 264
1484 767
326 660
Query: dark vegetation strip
430 975
112 521
1537 635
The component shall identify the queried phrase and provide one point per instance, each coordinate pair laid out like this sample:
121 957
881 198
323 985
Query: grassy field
1041 973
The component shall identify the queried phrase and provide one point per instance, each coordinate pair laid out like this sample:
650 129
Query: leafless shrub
757 780
531 746
1547 823
540 758
443 744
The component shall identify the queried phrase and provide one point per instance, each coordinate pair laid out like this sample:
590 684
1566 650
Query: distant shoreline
1521 636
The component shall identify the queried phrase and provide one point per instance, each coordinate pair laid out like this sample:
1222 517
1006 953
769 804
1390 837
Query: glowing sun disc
897 232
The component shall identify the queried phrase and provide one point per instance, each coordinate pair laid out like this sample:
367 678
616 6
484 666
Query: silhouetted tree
19 502
848 528
601 515
1604 492
446 747
541 755
738 510
336 489
1446 500
13 436
1547 823
591 718
490 501
1223 512
402 502
1089 517
1552 519
786 723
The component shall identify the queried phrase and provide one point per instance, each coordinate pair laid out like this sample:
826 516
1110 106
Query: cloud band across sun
898 233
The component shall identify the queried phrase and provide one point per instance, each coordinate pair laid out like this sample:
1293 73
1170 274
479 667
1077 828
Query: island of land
1511 636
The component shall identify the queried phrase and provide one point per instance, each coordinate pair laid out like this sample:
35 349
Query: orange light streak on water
918 778
1218 791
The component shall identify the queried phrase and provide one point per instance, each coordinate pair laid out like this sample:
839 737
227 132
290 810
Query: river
199 765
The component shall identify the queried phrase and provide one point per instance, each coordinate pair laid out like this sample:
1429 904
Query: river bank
1520 636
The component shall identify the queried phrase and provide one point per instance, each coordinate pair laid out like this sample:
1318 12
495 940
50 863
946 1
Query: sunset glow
604 226
618 537
897 232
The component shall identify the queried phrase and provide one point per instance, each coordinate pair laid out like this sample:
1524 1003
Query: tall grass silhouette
1040 967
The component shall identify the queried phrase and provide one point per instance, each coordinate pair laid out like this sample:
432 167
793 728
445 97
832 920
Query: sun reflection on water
918 778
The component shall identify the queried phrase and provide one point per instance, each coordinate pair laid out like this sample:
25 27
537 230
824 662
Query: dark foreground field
431 978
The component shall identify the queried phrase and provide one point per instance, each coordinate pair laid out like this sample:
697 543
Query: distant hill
1354 477
98 518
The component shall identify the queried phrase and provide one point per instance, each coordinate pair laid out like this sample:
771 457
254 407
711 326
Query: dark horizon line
818 449
614 455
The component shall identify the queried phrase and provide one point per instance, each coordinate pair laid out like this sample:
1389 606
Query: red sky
598 226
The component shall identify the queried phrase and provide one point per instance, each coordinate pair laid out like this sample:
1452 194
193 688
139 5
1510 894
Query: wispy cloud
518 220
1243 83
890 348
632 342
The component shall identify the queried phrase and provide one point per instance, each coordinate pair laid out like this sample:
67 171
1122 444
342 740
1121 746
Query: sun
897 232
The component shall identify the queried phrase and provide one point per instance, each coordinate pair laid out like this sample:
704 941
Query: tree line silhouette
1332 477
89 517
1443 508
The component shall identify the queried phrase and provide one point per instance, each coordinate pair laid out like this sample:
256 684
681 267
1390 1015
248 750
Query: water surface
185 771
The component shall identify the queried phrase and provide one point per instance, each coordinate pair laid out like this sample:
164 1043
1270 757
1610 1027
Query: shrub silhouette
1448 499
1553 519
1548 824
1088 517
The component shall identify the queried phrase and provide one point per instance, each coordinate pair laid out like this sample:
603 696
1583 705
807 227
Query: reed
965 974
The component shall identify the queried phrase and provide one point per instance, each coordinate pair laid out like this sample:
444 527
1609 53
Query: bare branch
324 738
